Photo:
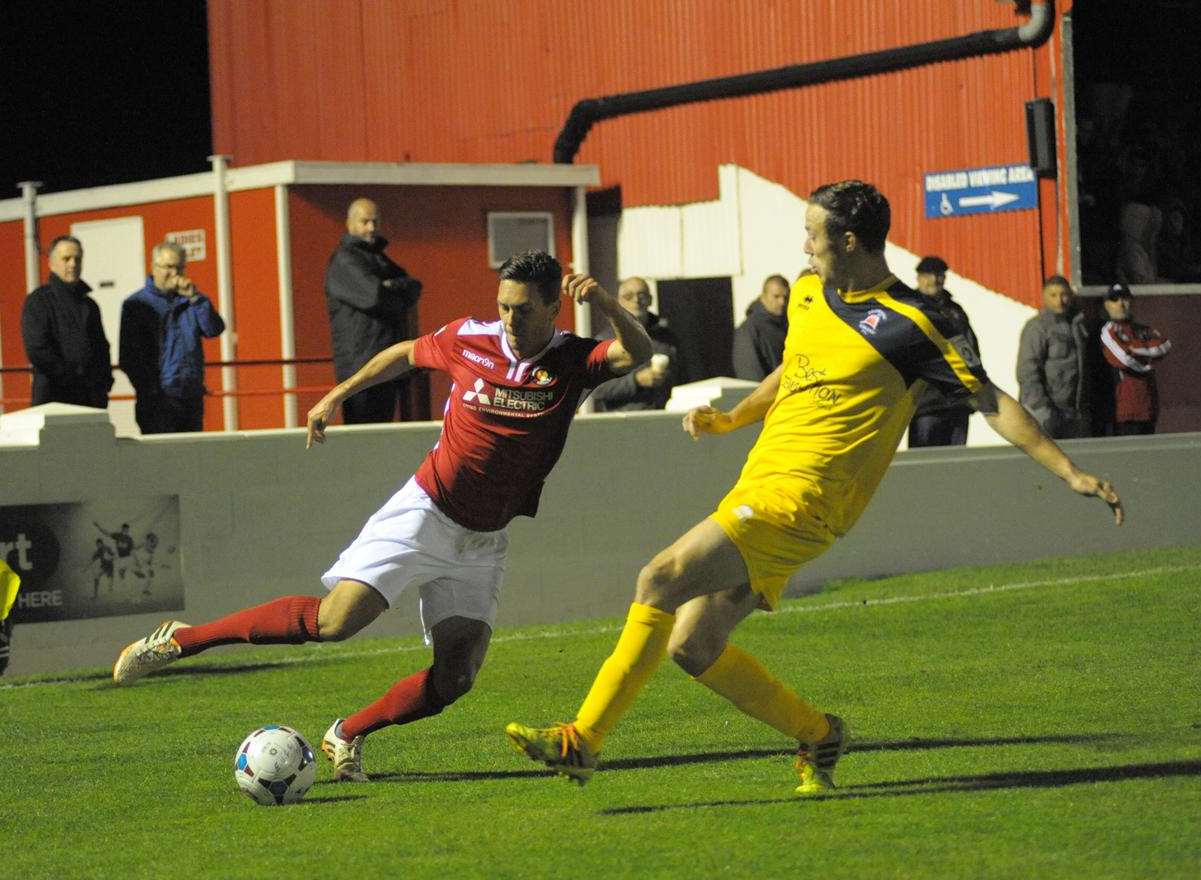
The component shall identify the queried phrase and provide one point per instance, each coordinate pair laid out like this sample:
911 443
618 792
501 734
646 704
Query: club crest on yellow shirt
871 321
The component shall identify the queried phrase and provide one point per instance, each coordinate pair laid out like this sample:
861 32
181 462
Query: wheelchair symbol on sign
944 205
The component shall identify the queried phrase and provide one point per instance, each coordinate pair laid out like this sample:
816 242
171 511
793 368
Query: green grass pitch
1037 720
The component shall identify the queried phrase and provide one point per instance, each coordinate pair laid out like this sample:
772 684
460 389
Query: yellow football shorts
774 535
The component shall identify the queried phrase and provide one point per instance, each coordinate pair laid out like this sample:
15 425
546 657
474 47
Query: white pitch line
992 588
316 656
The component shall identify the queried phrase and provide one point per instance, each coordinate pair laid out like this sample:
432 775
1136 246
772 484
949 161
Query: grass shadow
916 744
421 776
447 776
951 785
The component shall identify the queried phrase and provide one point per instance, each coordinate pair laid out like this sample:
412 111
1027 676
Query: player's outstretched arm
632 346
752 408
389 364
1009 419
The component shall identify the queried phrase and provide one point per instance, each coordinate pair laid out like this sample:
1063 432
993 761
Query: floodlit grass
1039 720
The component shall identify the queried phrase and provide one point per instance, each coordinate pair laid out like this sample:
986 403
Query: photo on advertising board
93 559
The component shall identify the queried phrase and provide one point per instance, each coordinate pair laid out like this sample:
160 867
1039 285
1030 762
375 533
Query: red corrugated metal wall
12 298
476 81
254 276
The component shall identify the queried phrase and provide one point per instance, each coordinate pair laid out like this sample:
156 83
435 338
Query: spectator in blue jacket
162 326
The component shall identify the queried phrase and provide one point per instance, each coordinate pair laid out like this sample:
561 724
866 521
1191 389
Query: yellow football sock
746 683
639 650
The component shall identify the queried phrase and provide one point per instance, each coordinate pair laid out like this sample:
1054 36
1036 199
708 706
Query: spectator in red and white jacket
1131 349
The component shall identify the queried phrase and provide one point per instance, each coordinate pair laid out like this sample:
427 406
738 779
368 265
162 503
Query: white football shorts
410 542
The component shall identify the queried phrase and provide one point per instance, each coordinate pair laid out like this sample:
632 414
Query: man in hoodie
64 339
649 385
369 298
1053 380
940 420
759 340
162 327
1136 261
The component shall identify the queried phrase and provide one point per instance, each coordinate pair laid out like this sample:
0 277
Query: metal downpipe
589 111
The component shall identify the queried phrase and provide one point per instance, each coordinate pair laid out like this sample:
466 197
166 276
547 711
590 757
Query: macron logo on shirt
477 394
479 359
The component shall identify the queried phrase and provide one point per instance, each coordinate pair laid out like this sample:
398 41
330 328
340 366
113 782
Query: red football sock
287 621
407 700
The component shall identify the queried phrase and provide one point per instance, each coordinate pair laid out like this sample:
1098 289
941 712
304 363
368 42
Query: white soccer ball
275 766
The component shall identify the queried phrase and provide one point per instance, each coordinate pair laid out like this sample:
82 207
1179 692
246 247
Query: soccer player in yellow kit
861 346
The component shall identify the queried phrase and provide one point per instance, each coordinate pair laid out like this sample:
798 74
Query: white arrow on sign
994 200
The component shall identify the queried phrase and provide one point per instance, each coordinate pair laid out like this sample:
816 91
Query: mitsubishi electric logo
478 394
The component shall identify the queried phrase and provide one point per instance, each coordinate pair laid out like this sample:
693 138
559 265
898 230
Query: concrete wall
260 516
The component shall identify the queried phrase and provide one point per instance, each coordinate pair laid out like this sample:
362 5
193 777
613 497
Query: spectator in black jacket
759 340
64 339
937 420
647 386
369 298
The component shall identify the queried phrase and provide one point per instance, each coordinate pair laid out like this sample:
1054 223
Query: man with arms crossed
517 382
861 346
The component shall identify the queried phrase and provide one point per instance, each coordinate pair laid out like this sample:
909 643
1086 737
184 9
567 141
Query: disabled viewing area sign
981 190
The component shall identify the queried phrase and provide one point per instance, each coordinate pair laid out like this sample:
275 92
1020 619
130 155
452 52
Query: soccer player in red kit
517 382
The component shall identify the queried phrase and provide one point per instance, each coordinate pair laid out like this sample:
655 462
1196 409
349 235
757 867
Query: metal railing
7 403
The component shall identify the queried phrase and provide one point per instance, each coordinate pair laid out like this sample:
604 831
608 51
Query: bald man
648 386
369 298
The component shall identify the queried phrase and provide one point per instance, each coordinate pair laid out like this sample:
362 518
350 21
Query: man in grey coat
759 340
1052 374
369 298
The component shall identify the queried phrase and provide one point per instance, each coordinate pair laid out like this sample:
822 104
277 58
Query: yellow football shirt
854 363
10 582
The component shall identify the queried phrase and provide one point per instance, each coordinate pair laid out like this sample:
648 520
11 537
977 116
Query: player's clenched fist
584 288
706 420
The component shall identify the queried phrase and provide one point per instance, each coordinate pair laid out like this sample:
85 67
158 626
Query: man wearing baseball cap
939 419
1132 350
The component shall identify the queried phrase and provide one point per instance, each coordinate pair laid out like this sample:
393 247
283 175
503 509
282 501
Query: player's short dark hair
779 279
60 239
124 526
858 207
534 267
932 266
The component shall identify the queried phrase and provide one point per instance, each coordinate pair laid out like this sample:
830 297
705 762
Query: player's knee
345 611
451 681
336 625
658 578
334 630
694 652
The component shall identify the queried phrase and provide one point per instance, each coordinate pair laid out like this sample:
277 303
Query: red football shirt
506 419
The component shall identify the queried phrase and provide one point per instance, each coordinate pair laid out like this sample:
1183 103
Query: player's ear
850 242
